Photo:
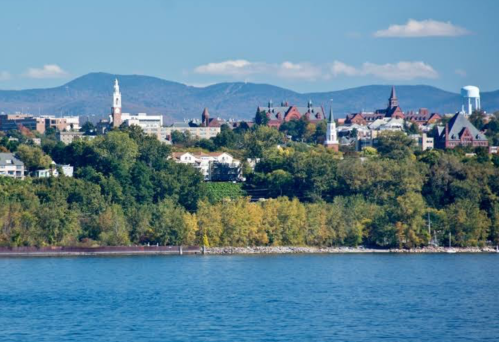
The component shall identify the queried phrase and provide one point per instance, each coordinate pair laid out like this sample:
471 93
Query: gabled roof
458 124
177 155
284 110
9 156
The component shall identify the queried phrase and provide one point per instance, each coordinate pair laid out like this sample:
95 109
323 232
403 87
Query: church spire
393 101
331 116
331 136
205 118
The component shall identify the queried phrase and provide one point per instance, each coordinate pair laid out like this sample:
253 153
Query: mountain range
91 95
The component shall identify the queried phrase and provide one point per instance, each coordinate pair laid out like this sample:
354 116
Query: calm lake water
251 298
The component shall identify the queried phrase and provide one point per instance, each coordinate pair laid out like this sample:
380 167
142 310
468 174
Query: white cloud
340 68
5 76
239 67
460 72
397 71
48 71
423 28
242 68
305 71
400 70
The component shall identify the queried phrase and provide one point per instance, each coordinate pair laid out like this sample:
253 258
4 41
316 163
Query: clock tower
116 108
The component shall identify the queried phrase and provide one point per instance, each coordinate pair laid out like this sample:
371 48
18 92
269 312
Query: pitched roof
458 123
314 110
177 155
9 156
393 95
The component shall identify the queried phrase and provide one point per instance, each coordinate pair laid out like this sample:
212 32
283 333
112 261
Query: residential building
356 130
67 170
70 136
460 132
10 166
215 166
46 173
387 124
423 140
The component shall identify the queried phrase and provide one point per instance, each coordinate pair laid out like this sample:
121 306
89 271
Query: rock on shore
339 250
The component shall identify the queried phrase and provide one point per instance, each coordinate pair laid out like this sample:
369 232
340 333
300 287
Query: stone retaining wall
338 250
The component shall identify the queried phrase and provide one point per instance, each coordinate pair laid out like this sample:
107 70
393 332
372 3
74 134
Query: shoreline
345 250
195 250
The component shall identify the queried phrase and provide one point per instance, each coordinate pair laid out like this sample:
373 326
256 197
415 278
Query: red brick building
393 110
423 117
460 132
206 121
284 113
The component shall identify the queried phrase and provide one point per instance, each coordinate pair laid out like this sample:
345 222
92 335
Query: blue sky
302 45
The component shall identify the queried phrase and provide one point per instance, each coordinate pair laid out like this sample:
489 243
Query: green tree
395 145
33 157
468 224
168 224
114 230
261 118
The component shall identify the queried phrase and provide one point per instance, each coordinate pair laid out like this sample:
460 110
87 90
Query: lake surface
251 298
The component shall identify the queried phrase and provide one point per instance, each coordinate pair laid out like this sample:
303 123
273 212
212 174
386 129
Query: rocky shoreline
340 250
192 250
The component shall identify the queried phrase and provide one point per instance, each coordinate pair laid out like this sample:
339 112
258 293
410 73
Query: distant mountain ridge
92 94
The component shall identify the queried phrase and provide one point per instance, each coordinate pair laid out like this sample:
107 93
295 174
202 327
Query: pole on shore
180 251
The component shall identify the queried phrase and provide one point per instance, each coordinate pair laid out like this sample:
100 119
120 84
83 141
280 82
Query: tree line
127 191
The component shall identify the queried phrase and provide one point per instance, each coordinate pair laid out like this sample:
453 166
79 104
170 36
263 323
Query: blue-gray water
251 298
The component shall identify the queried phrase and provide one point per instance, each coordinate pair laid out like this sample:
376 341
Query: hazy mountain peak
91 94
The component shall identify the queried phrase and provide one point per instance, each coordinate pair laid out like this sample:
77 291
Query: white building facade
204 162
10 166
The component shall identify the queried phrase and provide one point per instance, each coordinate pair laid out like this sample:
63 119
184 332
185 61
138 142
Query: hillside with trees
127 190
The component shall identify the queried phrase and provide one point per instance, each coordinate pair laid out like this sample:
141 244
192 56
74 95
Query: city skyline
320 46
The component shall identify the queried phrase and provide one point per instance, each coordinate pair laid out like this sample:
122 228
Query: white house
10 166
67 170
46 173
206 163
387 124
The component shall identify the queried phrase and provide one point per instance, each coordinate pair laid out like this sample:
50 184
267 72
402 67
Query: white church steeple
116 108
116 95
331 136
